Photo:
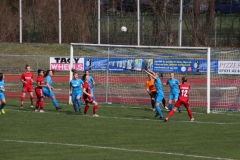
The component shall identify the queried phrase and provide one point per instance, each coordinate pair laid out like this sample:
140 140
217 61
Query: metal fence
15 64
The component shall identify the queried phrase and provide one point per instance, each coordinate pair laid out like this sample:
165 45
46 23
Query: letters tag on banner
228 67
63 63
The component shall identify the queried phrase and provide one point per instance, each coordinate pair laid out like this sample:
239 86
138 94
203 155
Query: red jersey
184 92
27 77
87 87
39 80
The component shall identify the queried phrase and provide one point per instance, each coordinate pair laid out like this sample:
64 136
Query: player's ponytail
1 76
161 75
184 79
46 73
84 77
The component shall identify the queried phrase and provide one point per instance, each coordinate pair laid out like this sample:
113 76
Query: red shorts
182 102
27 89
39 92
87 99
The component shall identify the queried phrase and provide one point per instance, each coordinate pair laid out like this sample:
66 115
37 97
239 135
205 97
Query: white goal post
207 50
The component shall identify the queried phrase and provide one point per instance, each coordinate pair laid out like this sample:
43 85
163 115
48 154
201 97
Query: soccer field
121 132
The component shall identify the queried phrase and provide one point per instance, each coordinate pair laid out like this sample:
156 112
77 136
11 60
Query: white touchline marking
122 118
119 149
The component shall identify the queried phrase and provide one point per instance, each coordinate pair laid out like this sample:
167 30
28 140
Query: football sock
3 104
79 104
190 113
153 103
170 113
31 98
159 111
164 102
41 104
37 104
22 101
95 109
75 107
86 109
54 101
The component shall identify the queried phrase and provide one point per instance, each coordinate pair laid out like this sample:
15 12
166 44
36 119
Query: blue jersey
48 80
1 85
173 83
76 85
158 85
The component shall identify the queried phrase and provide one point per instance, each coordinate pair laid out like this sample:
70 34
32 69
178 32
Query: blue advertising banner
157 65
117 64
183 65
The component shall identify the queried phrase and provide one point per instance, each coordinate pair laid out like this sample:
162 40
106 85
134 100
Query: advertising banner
157 65
63 63
228 67
117 64
183 65
136 64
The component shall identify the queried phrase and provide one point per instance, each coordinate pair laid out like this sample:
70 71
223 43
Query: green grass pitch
121 132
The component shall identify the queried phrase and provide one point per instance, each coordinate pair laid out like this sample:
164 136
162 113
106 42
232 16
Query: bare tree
8 23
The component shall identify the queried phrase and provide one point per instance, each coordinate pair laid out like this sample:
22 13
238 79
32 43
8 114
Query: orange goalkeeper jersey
150 85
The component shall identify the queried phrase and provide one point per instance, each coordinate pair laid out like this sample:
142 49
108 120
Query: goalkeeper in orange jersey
182 100
151 90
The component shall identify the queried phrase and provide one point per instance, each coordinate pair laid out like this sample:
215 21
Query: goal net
225 84
116 69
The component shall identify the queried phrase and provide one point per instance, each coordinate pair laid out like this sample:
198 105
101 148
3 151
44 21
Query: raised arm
151 73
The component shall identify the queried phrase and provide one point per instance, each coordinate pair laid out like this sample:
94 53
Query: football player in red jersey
182 100
87 97
27 79
38 91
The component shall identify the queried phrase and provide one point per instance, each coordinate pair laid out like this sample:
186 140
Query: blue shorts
47 93
74 96
2 96
159 97
173 96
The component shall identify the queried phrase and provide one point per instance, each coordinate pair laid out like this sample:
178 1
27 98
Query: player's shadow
72 113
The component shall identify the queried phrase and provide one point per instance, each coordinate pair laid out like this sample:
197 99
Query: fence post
37 62
215 27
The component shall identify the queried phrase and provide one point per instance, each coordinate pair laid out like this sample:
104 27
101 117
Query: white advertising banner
228 67
63 63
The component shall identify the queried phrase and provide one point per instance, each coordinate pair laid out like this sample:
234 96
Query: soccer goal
117 71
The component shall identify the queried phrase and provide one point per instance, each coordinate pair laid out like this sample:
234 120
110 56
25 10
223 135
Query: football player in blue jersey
2 97
47 90
174 91
76 92
159 92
